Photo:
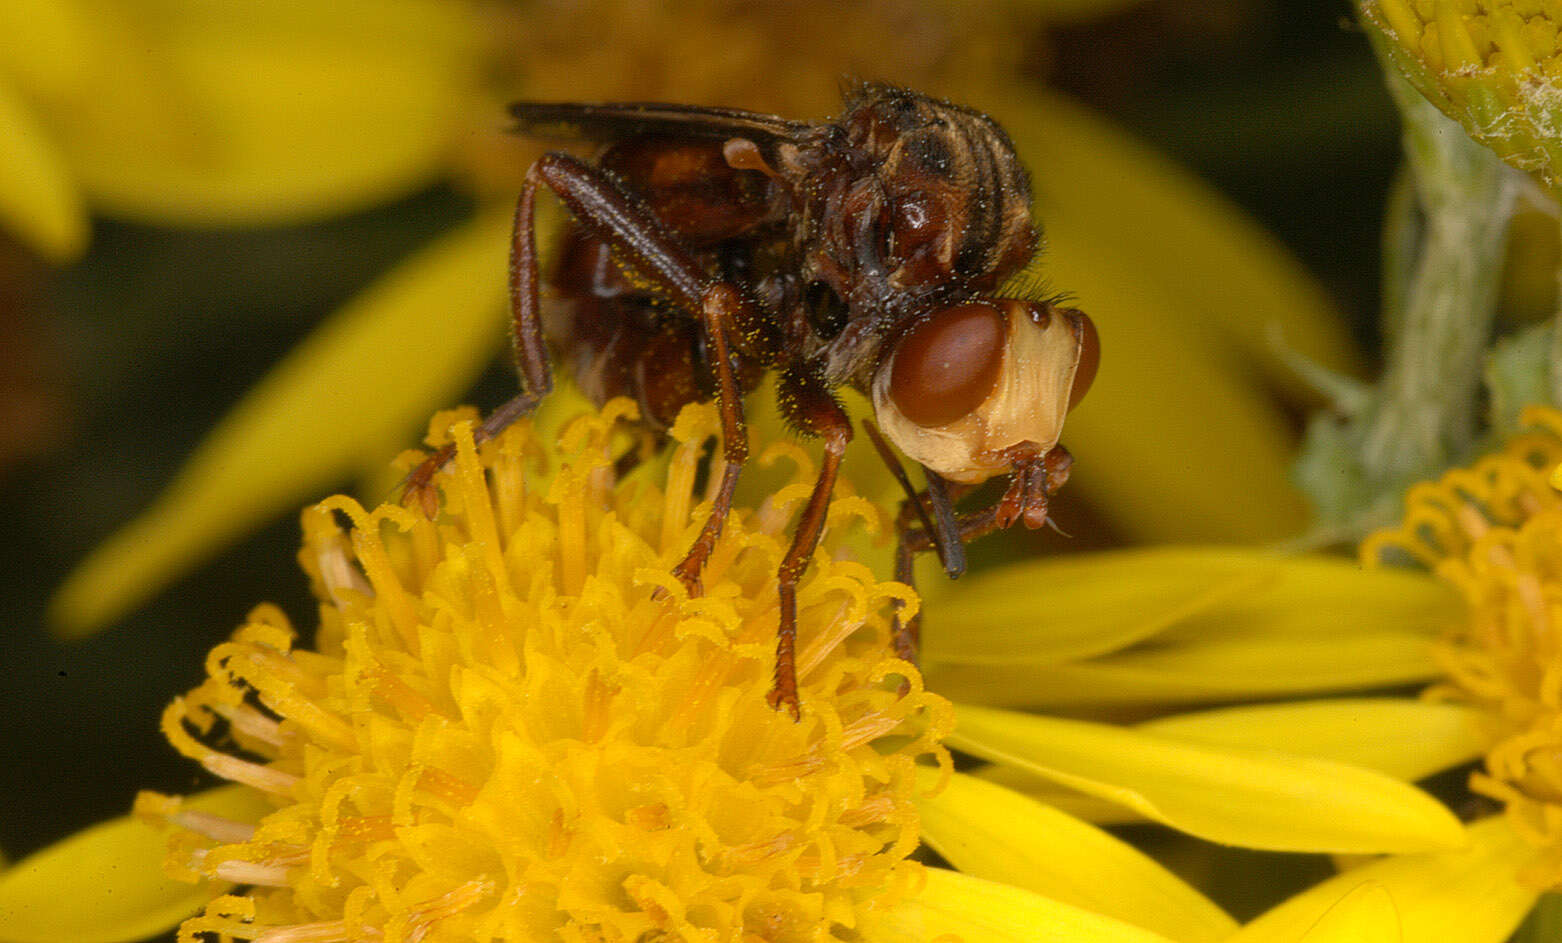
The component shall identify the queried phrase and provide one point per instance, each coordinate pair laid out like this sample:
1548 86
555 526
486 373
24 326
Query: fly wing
614 121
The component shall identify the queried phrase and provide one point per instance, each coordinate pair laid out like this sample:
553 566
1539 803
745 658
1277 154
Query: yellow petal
1471 895
1320 624
979 911
1172 224
994 833
1251 798
1069 607
1406 739
1188 295
38 198
106 884
1364 915
1403 738
1233 668
366 377
240 114
1077 804
1321 596
1221 669
49 46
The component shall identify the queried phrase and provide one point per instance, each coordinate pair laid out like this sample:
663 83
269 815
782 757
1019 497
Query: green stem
1427 414
1443 261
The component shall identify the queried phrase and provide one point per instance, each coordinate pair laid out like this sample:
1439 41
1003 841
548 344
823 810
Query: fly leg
1034 481
941 531
911 540
531 355
813 411
718 309
642 244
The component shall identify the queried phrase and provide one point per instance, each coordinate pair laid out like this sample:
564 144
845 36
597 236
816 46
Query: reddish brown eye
947 364
1089 357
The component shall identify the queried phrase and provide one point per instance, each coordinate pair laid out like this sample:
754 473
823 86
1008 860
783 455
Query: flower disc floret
1494 531
515 725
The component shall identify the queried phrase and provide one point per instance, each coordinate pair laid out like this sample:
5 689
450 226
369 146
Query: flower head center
515 725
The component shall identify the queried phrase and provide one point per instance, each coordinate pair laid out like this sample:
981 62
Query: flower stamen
1495 532
505 732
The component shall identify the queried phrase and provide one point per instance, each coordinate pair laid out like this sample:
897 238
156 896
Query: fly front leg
941 531
1033 483
911 540
814 411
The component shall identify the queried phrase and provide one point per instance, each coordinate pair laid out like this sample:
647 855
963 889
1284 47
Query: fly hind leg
531 355
643 245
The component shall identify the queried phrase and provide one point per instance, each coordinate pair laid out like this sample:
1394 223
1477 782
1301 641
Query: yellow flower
201 114
1148 631
1493 533
501 733
1189 294
513 724
1464 896
1491 65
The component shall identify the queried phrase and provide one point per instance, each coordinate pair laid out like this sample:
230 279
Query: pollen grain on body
514 724
1494 531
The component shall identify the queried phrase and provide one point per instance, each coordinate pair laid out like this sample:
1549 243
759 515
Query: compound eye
947 364
1089 356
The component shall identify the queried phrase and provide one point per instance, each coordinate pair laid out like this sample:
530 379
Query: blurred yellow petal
1313 624
1069 607
1250 798
1467 896
1170 224
979 911
991 832
363 379
49 46
1189 296
1406 739
251 113
106 884
38 199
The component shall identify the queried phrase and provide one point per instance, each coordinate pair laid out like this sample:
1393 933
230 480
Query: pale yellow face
1026 406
